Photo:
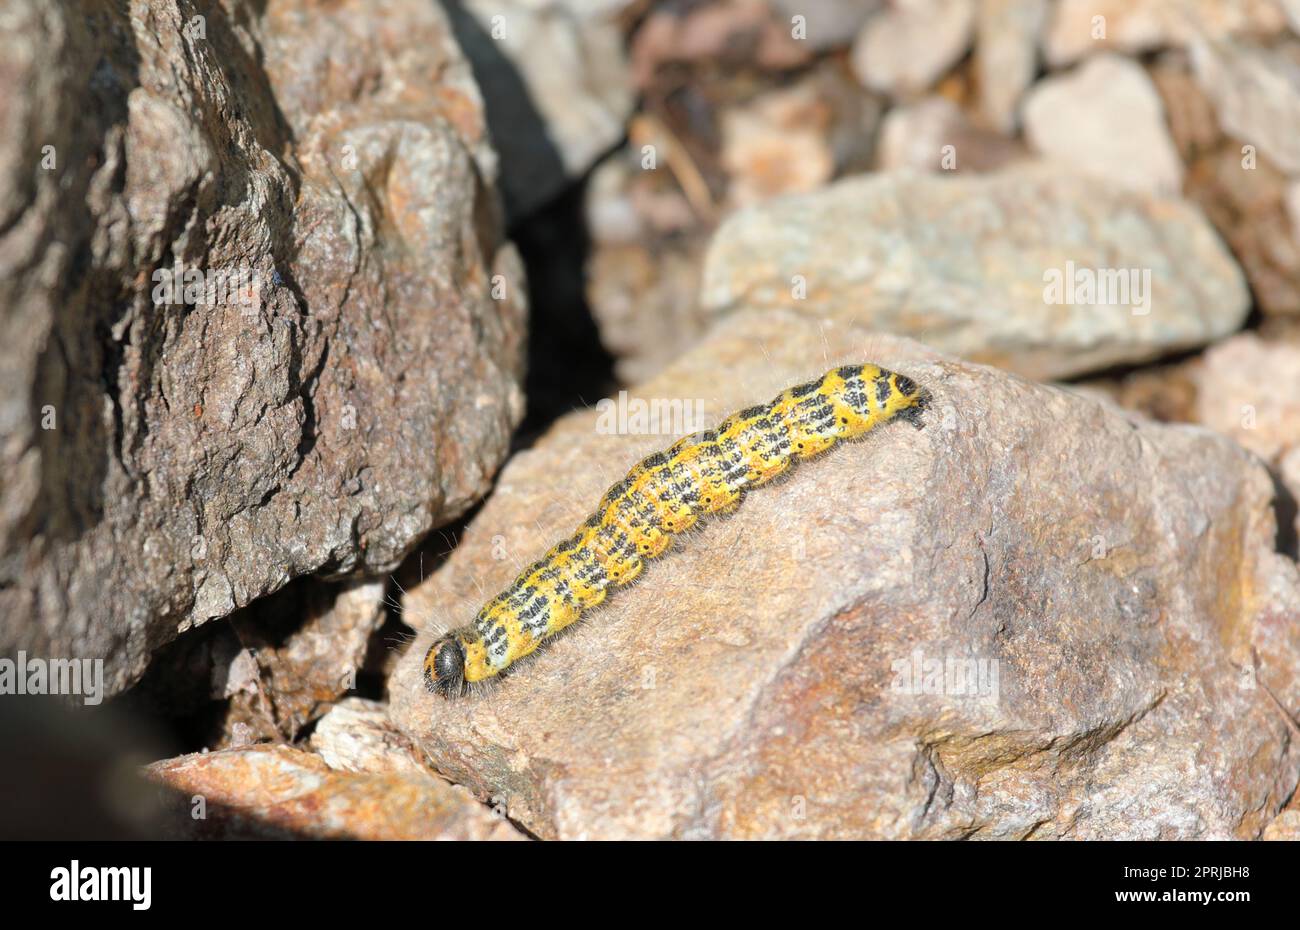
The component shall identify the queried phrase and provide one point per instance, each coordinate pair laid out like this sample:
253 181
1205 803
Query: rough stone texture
1256 93
277 792
1105 118
358 736
1006 57
909 46
1142 25
277 683
557 87
961 263
204 454
917 136
1120 573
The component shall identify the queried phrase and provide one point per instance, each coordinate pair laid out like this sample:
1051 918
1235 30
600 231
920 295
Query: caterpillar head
914 400
444 666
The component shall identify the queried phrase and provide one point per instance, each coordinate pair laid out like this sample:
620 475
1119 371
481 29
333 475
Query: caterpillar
703 474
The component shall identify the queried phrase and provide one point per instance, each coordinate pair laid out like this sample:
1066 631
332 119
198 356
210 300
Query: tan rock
276 792
1286 826
778 144
1006 57
1256 93
1105 582
966 264
934 135
1105 118
910 45
358 736
730 31
290 679
1249 389
1238 186
1082 27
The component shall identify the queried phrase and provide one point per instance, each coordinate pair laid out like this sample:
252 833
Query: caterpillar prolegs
702 474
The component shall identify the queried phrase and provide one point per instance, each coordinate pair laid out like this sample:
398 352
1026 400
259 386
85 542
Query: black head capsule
444 667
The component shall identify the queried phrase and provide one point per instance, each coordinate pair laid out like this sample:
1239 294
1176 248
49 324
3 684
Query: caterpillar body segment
701 475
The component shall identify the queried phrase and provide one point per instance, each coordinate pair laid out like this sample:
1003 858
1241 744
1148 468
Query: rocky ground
1069 607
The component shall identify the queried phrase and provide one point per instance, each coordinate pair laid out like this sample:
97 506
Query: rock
905 49
1105 118
556 84
277 792
1256 93
1249 389
967 263
643 273
723 32
829 24
1248 206
648 236
301 656
1286 826
1105 582
778 144
934 135
1241 191
1288 470
342 380
357 736
1193 127
1082 27
1006 57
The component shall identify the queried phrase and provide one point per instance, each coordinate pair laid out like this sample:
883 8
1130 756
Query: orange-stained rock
276 792
1112 580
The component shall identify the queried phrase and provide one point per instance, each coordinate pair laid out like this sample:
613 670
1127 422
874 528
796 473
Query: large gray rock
968 264
165 462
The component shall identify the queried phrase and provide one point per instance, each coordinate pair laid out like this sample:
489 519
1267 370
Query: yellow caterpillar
702 474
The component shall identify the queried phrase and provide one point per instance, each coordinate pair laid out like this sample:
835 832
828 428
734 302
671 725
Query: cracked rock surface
342 378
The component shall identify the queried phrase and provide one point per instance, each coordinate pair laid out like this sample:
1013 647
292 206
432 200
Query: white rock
1105 118
907 48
